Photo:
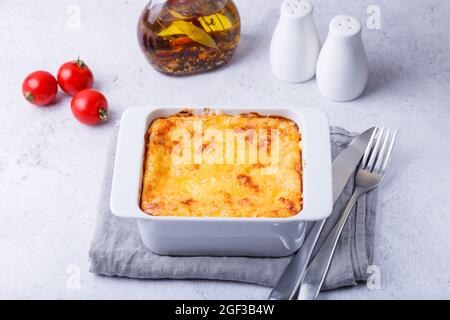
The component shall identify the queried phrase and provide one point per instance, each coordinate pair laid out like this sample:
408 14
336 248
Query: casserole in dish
250 182
266 213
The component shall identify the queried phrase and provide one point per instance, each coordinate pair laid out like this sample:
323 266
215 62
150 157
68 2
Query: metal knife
343 168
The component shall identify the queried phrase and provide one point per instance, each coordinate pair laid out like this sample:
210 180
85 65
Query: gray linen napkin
117 249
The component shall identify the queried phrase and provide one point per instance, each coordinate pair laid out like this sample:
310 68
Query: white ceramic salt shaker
295 43
342 68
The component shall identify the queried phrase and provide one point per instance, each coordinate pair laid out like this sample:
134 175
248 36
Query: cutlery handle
318 268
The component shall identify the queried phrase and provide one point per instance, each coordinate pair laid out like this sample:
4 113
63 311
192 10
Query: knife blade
343 167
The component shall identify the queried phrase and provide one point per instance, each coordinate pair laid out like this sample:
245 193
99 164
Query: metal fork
370 175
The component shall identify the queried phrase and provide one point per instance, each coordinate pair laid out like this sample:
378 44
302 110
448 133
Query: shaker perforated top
345 25
296 8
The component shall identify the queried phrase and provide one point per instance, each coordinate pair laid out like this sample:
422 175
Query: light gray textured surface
51 166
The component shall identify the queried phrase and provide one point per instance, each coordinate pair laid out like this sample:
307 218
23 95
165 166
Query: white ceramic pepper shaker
295 43
342 68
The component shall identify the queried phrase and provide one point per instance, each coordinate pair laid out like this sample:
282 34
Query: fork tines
378 152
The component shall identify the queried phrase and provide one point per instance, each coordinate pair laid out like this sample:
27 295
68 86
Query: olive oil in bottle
183 37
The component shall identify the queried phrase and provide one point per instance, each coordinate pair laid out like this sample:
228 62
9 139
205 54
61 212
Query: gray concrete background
51 166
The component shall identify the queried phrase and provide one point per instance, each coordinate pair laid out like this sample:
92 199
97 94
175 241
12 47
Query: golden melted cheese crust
228 189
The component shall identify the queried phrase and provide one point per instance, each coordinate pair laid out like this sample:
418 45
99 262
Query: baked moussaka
217 165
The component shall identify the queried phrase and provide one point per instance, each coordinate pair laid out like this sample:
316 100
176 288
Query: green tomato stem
80 63
29 96
103 114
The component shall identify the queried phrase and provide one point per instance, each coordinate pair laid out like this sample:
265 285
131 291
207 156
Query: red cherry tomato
40 88
90 107
75 76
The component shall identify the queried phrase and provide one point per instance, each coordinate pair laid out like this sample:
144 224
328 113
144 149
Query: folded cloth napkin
117 249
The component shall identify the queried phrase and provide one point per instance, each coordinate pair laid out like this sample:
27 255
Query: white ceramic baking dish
187 236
